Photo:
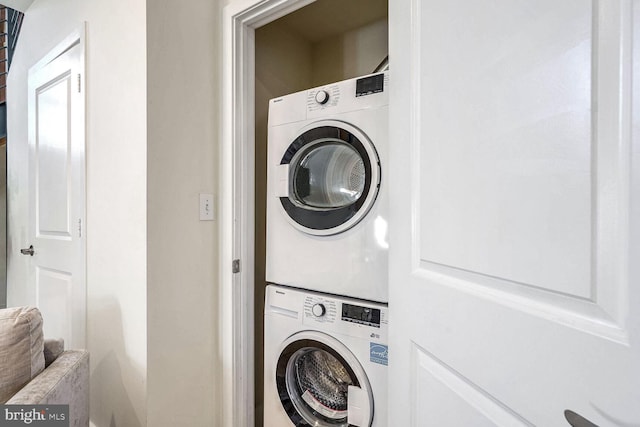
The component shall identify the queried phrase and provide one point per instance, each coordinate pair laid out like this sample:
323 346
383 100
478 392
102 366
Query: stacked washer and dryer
326 316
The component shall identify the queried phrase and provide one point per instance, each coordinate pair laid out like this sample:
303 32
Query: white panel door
514 272
57 196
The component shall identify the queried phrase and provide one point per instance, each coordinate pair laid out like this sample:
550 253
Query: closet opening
324 42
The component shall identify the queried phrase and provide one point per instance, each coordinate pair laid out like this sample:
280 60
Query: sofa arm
64 382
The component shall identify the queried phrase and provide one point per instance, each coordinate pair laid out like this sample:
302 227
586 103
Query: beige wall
116 189
182 253
351 54
151 150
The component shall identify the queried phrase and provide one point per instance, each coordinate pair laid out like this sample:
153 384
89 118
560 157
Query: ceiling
326 18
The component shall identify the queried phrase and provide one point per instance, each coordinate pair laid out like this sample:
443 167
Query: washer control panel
361 314
329 313
320 309
347 316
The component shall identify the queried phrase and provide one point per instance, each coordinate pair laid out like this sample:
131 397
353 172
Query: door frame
237 207
76 37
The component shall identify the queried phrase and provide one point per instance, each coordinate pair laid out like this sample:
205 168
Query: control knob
318 310
322 97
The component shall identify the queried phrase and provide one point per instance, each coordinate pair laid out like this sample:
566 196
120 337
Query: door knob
28 251
577 420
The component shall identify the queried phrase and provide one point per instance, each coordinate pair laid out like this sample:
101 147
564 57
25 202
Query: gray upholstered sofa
34 371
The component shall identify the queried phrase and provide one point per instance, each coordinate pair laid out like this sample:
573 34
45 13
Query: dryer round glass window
334 177
313 380
329 175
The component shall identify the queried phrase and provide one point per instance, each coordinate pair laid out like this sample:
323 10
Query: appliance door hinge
235 266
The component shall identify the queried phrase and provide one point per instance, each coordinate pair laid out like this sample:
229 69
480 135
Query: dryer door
321 383
333 175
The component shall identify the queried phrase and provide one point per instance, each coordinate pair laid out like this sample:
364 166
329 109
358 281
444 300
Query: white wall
116 189
182 254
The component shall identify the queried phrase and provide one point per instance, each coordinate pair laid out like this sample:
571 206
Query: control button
318 310
322 96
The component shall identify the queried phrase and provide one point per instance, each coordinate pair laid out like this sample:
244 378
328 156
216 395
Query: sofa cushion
21 348
53 347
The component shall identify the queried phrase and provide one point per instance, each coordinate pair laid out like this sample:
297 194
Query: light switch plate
207 207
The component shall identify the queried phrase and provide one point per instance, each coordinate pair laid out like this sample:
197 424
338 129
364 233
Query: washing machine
326 188
325 360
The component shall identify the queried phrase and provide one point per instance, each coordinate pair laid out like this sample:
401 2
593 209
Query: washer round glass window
313 380
318 384
333 178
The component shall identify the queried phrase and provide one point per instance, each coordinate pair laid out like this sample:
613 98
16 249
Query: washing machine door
333 177
321 383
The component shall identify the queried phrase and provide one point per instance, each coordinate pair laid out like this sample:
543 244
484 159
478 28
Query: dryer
326 188
325 360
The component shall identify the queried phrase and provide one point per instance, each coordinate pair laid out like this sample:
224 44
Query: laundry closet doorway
324 42
349 25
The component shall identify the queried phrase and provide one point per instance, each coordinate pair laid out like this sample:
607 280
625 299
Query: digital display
358 314
369 85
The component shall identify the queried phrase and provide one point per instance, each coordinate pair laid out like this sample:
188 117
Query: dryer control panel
348 95
370 91
327 96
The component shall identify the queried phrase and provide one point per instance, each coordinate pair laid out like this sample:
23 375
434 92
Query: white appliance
326 189
325 360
